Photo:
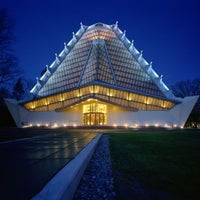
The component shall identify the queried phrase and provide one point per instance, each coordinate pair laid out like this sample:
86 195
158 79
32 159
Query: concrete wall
176 116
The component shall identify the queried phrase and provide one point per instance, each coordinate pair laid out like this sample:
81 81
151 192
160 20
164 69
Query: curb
64 184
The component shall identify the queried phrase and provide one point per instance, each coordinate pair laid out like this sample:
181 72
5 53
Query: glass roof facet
99 55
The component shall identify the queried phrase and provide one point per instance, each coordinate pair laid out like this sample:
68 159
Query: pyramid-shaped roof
101 54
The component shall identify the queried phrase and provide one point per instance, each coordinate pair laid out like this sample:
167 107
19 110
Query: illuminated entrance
94 114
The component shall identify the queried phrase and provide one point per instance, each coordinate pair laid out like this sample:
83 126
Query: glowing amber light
46 102
33 105
117 97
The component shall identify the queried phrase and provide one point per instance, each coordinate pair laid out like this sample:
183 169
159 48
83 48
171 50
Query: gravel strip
97 182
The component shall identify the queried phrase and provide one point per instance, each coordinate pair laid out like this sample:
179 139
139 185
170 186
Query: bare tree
18 90
8 62
189 88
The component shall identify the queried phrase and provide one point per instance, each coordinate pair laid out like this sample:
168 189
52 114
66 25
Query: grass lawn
168 161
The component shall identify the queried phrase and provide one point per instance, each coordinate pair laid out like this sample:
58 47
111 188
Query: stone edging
64 184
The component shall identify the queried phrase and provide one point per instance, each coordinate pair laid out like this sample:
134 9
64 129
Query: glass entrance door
94 114
94 119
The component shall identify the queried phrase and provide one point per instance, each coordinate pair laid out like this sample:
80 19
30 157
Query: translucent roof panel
98 67
128 72
99 55
68 73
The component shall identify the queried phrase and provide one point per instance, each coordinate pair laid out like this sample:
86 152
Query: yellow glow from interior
46 102
102 37
164 105
33 105
134 101
94 113
61 98
95 107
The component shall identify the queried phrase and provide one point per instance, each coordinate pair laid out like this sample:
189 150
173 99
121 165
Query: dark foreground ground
147 164
28 163
156 164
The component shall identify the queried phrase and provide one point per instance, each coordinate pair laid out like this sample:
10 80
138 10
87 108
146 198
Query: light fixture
55 125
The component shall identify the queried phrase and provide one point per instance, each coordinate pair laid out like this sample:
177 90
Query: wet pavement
28 164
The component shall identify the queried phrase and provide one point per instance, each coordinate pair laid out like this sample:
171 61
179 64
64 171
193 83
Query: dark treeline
12 82
189 88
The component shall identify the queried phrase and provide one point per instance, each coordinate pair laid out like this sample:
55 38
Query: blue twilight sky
168 31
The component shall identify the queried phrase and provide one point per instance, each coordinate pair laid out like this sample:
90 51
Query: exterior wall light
55 125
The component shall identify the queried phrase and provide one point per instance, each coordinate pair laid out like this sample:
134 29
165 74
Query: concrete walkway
27 165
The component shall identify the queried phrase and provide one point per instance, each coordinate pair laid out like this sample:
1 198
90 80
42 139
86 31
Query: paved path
27 165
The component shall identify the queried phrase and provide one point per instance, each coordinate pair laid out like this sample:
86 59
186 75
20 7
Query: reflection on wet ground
27 165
